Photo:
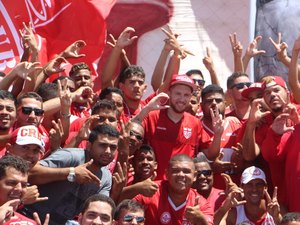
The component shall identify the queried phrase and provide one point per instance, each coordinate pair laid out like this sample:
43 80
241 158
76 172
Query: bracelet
65 116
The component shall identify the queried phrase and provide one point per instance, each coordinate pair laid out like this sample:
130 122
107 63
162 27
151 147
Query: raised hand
280 47
174 44
159 102
194 214
24 69
83 95
221 167
207 60
218 122
7 210
255 113
32 195
119 178
84 175
148 187
280 124
236 46
72 51
54 66
56 133
273 206
38 221
28 38
237 158
252 49
125 38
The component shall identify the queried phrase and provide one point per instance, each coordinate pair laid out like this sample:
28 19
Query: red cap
275 80
253 87
182 79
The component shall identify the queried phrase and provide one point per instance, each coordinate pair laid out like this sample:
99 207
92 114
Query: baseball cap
26 135
252 173
273 80
257 86
182 79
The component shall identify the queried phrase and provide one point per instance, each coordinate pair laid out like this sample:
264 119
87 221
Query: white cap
252 173
27 135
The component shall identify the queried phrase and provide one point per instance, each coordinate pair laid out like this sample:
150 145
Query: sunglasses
137 136
199 82
129 218
206 173
28 110
241 85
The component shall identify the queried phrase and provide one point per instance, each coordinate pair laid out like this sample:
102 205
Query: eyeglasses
129 218
241 85
199 82
28 110
137 136
206 173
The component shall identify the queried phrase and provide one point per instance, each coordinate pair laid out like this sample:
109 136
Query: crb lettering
4 56
30 132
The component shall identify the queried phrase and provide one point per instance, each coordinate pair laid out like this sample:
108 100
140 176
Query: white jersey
241 218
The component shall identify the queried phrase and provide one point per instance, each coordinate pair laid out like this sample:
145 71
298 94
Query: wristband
65 116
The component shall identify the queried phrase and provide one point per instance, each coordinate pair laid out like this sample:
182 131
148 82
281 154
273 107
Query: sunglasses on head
129 218
199 82
241 85
28 110
206 173
137 136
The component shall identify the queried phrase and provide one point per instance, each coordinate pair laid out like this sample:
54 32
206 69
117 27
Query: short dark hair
128 204
106 91
48 91
194 71
180 158
62 77
291 216
7 95
32 94
15 162
103 104
201 158
132 70
78 66
212 88
99 198
145 148
103 129
232 77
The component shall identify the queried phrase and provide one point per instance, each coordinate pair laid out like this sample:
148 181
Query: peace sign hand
273 206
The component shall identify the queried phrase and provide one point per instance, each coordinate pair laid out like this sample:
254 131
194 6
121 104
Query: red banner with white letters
58 23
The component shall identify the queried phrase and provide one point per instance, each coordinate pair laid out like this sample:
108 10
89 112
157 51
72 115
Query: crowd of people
189 153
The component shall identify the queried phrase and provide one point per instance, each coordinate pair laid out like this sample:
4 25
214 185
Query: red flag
58 23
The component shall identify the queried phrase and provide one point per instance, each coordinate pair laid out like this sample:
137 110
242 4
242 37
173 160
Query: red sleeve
273 146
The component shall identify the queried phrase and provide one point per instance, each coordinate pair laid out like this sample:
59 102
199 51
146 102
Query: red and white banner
57 23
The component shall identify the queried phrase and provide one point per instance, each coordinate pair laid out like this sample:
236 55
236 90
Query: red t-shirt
168 138
160 209
283 150
215 199
129 113
20 219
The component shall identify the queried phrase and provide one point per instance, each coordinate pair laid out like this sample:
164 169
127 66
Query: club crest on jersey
187 132
165 218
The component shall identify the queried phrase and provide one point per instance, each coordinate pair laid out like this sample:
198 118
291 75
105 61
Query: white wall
201 23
